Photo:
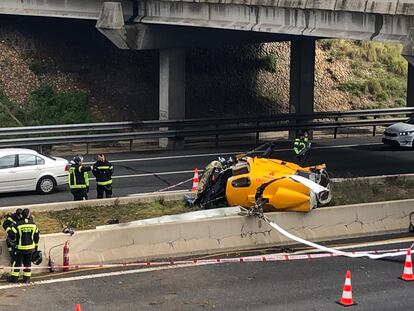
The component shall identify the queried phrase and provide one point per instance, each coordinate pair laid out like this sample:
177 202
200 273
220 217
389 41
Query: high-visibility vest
27 235
299 145
103 173
78 178
8 223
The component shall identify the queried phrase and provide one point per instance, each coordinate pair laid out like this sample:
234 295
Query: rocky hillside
71 56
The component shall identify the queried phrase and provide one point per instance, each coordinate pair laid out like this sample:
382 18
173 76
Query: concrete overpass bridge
171 25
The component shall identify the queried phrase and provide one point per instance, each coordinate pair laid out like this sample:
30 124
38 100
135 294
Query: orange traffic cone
195 180
408 267
78 307
346 299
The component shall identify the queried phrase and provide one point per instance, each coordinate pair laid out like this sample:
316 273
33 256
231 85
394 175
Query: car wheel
46 185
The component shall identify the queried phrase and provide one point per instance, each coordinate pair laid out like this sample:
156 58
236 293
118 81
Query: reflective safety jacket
103 172
78 177
9 221
26 235
300 145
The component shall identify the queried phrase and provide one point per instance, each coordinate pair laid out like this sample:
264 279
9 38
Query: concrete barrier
188 238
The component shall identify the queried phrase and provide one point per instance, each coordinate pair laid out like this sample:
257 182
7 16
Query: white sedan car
27 170
400 134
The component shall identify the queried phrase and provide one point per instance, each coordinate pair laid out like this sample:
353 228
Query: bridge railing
190 128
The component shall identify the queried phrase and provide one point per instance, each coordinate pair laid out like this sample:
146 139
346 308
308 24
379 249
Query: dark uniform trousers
107 189
25 258
11 250
79 194
26 234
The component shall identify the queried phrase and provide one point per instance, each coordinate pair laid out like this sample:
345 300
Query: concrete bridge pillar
172 91
302 74
410 85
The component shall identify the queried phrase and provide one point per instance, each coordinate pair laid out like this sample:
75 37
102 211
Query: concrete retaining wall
188 238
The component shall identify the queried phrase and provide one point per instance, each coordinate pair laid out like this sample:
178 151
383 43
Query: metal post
217 136
336 129
410 85
130 144
257 132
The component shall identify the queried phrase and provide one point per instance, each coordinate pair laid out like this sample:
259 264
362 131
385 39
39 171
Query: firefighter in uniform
301 147
79 179
25 235
103 170
9 221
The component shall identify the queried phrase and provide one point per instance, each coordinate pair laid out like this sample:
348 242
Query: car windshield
410 121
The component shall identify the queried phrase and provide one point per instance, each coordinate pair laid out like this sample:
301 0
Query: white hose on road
328 249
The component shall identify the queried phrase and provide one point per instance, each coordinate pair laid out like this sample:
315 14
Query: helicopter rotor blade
309 183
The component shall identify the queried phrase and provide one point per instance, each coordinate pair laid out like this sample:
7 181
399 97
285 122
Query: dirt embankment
123 85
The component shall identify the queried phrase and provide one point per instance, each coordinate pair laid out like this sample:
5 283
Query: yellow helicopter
279 185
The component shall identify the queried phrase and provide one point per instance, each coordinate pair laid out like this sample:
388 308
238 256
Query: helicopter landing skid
254 211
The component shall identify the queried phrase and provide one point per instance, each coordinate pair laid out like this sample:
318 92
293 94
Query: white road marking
99 275
153 174
215 154
348 146
173 157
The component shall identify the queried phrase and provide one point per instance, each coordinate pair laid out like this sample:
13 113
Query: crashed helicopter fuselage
283 186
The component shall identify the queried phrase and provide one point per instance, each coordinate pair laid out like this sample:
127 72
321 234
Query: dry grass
90 217
364 191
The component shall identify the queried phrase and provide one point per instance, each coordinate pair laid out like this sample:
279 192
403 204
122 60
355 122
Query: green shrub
374 87
394 88
161 201
50 107
397 65
382 96
270 63
354 87
400 102
39 68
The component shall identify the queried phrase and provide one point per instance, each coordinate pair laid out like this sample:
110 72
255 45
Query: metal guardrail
181 129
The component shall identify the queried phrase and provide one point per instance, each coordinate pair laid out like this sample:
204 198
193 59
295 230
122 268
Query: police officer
26 236
78 179
9 221
302 146
103 170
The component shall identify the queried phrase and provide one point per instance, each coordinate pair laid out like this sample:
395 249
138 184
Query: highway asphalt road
140 172
308 284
